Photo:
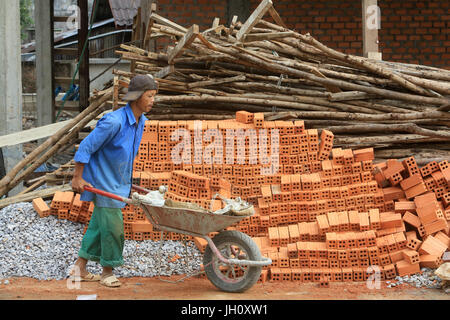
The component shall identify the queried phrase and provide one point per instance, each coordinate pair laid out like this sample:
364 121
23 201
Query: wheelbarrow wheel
232 278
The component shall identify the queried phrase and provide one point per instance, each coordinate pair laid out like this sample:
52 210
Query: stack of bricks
316 192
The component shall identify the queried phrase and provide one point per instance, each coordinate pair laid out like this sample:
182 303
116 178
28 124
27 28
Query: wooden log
267 36
371 117
214 82
386 128
275 67
383 140
349 95
366 64
165 72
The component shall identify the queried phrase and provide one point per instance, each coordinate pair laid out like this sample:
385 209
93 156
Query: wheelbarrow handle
140 189
108 195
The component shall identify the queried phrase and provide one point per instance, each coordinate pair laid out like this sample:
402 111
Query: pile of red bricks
65 205
325 214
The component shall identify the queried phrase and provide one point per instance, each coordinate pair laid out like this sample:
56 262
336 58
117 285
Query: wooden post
84 66
44 62
371 17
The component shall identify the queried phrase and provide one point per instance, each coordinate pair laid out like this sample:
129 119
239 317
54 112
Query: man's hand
78 183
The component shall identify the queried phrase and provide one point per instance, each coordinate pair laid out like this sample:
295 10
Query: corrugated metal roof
124 11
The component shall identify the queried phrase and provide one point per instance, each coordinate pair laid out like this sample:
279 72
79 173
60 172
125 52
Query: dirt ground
202 289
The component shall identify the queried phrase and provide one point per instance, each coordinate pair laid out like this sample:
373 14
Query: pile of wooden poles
259 66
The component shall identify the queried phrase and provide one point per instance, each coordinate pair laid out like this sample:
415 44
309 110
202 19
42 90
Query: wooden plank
36 133
206 42
331 88
187 39
267 36
215 23
254 18
164 72
156 17
66 51
116 93
44 193
215 82
349 95
276 17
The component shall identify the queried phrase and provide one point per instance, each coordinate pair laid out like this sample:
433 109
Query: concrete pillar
44 62
10 81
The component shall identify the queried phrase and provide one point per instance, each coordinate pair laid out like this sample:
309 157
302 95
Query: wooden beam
116 93
149 26
348 95
267 36
37 133
215 23
156 17
164 72
331 88
187 39
254 18
276 17
215 82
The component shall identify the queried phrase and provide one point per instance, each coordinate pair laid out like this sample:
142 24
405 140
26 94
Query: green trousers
104 238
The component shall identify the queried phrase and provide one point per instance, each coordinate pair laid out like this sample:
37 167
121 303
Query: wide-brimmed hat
138 85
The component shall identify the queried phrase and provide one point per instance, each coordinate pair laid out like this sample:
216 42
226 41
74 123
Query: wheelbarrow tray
189 220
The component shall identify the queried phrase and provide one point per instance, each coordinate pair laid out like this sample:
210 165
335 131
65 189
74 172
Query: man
104 160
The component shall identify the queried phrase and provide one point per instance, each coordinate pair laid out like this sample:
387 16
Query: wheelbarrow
232 261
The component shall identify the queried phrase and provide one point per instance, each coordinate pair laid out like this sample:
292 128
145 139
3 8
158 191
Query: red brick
411 219
364 154
428 213
416 191
405 268
432 246
41 207
411 181
435 226
404 206
393 167
430 261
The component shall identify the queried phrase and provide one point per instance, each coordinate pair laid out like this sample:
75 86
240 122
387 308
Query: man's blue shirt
108 153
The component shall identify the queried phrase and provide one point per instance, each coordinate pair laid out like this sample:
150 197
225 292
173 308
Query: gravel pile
46 249
427 279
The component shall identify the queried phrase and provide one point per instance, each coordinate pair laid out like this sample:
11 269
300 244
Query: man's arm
78 183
